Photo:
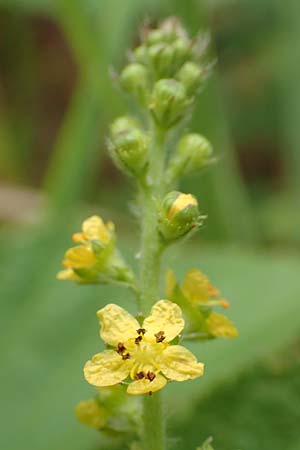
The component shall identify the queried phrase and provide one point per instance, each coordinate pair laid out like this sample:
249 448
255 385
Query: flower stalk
152 190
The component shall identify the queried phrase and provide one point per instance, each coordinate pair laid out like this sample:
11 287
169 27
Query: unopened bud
134 79
191 76
193 152
91 414
161 57
140 54
179 216
169 102
129 150
155 37
122 123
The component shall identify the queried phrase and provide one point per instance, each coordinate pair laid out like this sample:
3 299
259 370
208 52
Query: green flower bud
179 215
161 57
193 152
122 123
134 79
169 102
155 37
165 59
91 414
182 50
129 150
140 54
191 76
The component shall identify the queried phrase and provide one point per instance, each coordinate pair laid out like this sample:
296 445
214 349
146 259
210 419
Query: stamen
120 348
150 376
160 336
126 356
138 339
150 393
141 331
139 375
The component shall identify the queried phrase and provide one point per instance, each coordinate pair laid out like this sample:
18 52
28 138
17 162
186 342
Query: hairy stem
151 245
153 420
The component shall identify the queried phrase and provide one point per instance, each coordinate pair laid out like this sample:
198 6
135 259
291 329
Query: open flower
95 258
197 297
142 353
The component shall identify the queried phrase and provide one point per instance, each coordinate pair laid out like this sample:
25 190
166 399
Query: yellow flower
197 288
92 255
142 352
197 296
94 228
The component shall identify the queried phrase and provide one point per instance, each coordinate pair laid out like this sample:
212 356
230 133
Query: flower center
145 352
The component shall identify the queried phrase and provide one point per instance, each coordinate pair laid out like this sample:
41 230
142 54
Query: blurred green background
56 102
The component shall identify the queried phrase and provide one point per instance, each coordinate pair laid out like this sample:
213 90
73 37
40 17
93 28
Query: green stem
151 245
154 435
153 419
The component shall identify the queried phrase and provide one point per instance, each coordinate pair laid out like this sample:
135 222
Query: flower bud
134 79
139 54
129 150
156 36
193 152
169 102
161 57
191 76
179 216
122 123
91 414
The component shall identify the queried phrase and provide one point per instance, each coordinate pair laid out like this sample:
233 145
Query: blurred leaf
74 155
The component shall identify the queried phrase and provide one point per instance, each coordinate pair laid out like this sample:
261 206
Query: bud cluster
164 75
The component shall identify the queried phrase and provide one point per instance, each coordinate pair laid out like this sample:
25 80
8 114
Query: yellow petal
106 369
180 364
79 257
165 316
220 326
145 386
117 325
67 274
196 286
170 283
94 228
181 202
91 414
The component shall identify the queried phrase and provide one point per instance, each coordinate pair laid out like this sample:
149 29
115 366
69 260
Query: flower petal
117 325
106 369
67 274
79 257
165 316
145 386
179 364
196 286
220 326
94 228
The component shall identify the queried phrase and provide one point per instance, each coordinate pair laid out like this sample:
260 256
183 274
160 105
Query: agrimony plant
144 353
